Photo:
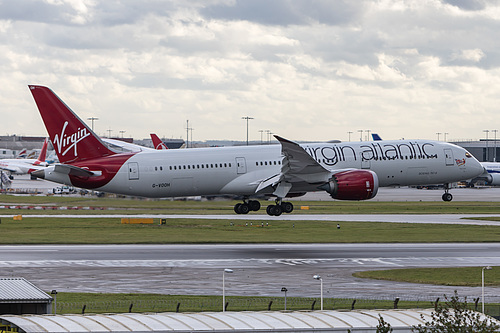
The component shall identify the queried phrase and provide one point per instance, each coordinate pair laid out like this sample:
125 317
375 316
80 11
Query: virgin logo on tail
65 142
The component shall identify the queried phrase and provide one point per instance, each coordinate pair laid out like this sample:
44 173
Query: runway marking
249 263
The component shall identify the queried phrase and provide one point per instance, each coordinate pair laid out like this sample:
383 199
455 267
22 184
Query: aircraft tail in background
22 154
73 141
157 143
43 153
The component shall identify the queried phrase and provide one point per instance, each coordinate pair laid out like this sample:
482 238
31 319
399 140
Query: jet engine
352 185
493 179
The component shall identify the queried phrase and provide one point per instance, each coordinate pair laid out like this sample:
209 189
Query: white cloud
315 72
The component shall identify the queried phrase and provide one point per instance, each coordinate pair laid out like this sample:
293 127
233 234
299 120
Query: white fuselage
240 170
19 166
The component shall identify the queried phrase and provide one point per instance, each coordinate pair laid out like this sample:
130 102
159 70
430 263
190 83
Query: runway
258 269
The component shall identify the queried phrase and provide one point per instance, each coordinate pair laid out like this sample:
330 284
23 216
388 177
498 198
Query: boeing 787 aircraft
347 171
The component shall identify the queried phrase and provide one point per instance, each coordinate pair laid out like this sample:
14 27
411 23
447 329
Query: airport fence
254 304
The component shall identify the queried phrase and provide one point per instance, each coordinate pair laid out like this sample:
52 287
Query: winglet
73 141
299 165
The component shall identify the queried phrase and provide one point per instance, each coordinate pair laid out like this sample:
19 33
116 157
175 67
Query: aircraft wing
17 166
297 166
9 168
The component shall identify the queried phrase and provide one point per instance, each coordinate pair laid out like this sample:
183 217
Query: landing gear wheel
254 205
447 197
287 207
237 208
241 208
278 210
274 210
244 208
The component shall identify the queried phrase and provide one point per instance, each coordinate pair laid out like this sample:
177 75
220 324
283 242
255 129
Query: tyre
254 205
278 210
244 208
447 197
287 207
237 208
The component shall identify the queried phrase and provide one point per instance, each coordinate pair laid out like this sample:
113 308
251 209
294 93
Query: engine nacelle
493 178
352 185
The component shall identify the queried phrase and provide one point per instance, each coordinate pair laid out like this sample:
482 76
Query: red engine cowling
352 185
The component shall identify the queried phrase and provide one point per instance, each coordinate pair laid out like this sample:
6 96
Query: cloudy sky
303 69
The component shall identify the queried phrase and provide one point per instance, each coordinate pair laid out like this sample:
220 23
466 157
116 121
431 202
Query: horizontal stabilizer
72 170
64 169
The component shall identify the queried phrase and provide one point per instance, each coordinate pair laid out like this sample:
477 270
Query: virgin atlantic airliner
347 171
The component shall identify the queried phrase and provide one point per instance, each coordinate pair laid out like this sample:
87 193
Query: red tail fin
157 143
72 139
43 153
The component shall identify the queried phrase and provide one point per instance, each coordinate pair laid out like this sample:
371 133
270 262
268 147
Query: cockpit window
468 155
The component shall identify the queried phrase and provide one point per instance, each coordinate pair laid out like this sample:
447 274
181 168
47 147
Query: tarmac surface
258 269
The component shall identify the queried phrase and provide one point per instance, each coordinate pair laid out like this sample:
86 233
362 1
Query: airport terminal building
484 150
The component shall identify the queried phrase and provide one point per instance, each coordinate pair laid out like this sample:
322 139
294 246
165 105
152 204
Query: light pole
487 155
368 136
445 136
482 284
54 292
247 119
284 290
495 144
317 277
360 135
261 131
438 133
349 135
121 132
92 120
227 270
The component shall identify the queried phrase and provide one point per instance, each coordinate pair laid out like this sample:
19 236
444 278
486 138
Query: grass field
146 206
452 276
50 230
98 230
102 303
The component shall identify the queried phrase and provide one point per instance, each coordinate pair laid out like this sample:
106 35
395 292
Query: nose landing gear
446 195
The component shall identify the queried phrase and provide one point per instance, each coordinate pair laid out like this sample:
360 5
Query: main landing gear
273 210
279 208
247 206
446 195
